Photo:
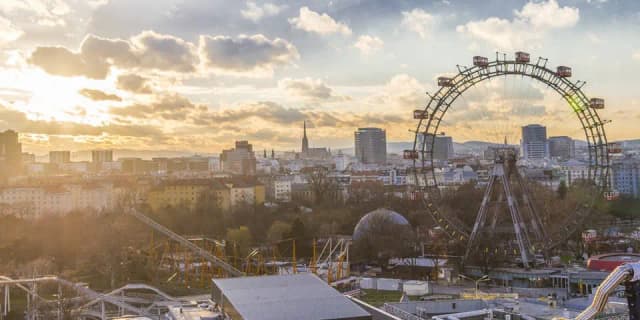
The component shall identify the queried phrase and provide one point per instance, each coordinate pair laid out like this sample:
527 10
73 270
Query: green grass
379 297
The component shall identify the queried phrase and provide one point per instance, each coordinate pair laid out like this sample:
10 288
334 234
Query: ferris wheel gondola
451 88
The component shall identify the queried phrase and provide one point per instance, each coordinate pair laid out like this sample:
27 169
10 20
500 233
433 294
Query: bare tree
322 185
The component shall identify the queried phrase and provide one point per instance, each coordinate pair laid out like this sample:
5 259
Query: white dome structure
382 214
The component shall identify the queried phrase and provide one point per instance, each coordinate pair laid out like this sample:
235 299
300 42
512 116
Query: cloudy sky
198 74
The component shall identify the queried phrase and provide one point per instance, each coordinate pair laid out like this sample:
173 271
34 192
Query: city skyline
95 75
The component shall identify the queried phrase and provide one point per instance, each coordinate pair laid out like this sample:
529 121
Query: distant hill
398 146
392 147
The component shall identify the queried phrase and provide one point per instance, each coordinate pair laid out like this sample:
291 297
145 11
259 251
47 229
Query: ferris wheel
506 183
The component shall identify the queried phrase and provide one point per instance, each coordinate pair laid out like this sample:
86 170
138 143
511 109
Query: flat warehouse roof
286 297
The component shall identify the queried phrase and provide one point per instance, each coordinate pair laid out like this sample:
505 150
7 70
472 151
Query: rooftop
282 297
192 313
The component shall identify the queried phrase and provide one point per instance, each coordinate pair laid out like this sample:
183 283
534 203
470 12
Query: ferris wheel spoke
497 119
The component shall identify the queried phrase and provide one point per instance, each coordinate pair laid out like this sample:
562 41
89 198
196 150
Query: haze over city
319 160
193 75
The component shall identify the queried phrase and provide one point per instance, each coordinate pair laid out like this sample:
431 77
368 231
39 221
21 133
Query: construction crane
232 271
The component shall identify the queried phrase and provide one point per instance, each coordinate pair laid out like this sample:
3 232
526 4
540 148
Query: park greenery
110 248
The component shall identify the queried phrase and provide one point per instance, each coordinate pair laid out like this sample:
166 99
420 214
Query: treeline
110 248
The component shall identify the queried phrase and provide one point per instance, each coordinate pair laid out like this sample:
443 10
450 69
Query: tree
303 239
367 193
624 208
297 230
241 237
207 214
278 230
562 190
322 185
437 248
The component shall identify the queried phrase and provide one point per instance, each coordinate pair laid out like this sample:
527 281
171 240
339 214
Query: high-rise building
241 160
371 145
28 157
625 177
100 156
534 142
10 154
561 148
442 145
59 157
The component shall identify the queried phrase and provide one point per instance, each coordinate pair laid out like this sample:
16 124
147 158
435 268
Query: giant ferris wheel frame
450 89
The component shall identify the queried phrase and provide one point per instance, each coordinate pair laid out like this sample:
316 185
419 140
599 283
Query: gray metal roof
287 297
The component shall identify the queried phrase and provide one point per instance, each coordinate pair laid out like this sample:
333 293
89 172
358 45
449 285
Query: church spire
305 141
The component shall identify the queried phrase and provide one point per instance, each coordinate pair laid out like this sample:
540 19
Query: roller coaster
127 300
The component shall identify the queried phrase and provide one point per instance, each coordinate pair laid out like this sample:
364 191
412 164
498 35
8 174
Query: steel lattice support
440 102
501 174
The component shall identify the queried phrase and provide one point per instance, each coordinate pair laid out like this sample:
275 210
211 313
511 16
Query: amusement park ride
199 259
196 260
507 192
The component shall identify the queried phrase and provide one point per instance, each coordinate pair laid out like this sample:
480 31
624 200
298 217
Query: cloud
256 12
47 13
636 55
368 44
167 107
97 3
271 135
98 95
164 52
282 116
265 110
323 24
255 56
402 92
246 55
526 29
307 88
62 62
133 83
8 31
145 51
418 21
502 105
267 113
17 120
549 15
528 110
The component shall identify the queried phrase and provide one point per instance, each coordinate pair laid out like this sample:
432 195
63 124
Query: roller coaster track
79 288
231 270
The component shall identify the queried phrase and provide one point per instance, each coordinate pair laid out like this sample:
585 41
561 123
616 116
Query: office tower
100 156
625 176
241 160
561 148
442 145
10 154
534 142
371 145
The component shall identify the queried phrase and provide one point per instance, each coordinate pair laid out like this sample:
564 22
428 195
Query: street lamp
476 281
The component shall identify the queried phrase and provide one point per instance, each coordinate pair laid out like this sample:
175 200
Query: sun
53 98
